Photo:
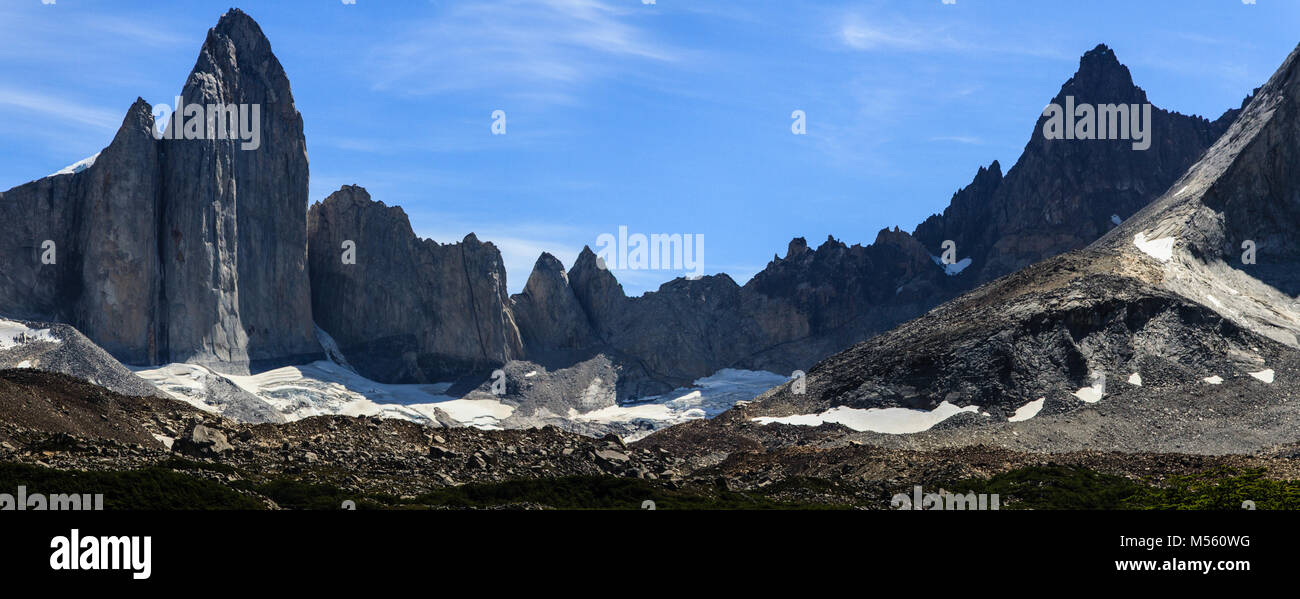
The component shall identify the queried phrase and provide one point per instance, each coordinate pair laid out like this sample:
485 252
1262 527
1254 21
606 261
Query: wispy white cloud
59 109
857 30
859 33
961 139
540 50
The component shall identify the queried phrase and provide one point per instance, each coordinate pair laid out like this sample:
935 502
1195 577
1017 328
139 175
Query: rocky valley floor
58 434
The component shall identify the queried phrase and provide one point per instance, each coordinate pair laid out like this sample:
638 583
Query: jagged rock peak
240 29
892 236
547 262
351 192
1100 57
798 246
994 171
831 242
1101 77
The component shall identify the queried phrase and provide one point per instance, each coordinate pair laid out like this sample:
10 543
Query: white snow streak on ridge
1213 380
1135 379
13 334
894 421
78 166
1161 249
1028 410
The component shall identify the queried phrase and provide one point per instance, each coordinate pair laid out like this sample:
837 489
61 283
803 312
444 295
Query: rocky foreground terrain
61 434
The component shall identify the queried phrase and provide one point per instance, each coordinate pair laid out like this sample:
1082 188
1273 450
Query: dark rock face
409 309
119 281
549 315
202 251
1061 194
1044 332
105 276
149 238
234 229
1158 324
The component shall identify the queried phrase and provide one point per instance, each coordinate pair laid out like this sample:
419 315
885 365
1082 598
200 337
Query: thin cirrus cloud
59 109
544 49
862 32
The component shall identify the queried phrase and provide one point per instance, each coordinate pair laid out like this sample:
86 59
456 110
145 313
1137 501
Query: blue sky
671 117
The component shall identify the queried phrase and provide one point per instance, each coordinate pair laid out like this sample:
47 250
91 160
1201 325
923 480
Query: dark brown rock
409 309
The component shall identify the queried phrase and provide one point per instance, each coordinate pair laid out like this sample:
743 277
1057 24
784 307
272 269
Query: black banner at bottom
736 549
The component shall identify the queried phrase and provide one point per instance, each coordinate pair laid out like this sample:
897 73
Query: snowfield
895 421
326 388
14 334
1161 249
1028 410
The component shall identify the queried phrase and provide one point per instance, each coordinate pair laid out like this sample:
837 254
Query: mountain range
1176 331
199 252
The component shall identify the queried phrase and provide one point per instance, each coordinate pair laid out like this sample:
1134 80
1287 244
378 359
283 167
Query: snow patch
708 397
1213 380
894 421
1161 249
14 334
1265 375
326 388
1094 393
78 166
950 269
1028 410
1135 379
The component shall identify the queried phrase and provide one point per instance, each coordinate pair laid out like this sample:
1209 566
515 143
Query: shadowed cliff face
1060 195
234 229
102 221
802 307
178 249
408 309
200 250
1165 306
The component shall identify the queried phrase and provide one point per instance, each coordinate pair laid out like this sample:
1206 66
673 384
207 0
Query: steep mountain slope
1167 306
61 348
1060 195
177 249
408 309
233 232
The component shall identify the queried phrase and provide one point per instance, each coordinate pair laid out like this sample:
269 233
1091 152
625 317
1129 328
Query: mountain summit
1176 331
178 249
